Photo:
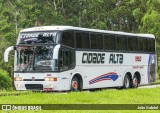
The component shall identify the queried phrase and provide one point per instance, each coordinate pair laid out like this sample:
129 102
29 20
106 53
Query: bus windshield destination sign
36 35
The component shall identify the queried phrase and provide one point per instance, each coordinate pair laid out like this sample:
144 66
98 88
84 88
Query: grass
157 78
12 92
131 96
157 81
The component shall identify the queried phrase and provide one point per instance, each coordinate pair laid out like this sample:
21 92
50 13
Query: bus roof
61 28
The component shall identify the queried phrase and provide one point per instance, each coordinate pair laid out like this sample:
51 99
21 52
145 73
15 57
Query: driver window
67 60
63 60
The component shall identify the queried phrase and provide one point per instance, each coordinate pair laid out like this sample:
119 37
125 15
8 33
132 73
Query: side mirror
6 53
56 51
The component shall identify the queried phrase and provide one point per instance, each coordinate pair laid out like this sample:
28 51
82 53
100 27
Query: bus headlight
17 85
18 78
50 79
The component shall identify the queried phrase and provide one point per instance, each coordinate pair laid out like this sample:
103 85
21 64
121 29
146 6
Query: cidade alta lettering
116 59
95 58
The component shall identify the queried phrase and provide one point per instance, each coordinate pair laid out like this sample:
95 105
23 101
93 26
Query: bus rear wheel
135 82
74 84
127 82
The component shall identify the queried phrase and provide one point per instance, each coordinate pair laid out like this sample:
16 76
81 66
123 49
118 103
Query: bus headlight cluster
50 79
17 85
18 78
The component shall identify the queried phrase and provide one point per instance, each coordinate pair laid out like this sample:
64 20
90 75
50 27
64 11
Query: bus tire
127 82
135 82
74 84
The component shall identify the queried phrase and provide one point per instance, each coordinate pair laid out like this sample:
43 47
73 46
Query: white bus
61 58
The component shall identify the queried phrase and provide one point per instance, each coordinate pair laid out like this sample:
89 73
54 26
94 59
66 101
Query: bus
63 58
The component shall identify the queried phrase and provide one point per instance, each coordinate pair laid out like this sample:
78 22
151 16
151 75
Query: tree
123 15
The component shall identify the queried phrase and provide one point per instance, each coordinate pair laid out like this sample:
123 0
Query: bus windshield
37 58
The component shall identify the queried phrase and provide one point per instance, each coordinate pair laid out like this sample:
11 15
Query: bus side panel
108 70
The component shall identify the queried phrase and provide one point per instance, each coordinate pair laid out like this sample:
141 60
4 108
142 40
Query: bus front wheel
74 84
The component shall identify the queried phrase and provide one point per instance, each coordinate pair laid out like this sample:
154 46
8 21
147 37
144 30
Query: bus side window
82 40
68 38
96 41
93 41
67 59
151 45
71 59
132 44
63 60
109 42
121 42
143 46
99 41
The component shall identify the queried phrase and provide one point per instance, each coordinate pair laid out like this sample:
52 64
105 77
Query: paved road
151 86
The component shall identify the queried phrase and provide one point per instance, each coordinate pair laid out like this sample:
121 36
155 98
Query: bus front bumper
39 85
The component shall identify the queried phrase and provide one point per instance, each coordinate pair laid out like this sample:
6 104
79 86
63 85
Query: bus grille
34 86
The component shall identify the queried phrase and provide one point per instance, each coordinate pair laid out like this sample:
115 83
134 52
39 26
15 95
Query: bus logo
33 79
109 76
138 58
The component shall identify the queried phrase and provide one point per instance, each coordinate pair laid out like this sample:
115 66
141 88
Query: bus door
66 66
66 59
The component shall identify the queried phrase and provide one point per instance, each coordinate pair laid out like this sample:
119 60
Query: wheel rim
75 85
135 81
127 83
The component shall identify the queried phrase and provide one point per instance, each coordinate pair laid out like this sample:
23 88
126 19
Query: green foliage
151 23
137 13
5 80
123 15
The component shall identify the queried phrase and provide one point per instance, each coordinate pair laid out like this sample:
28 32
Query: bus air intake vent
34 86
